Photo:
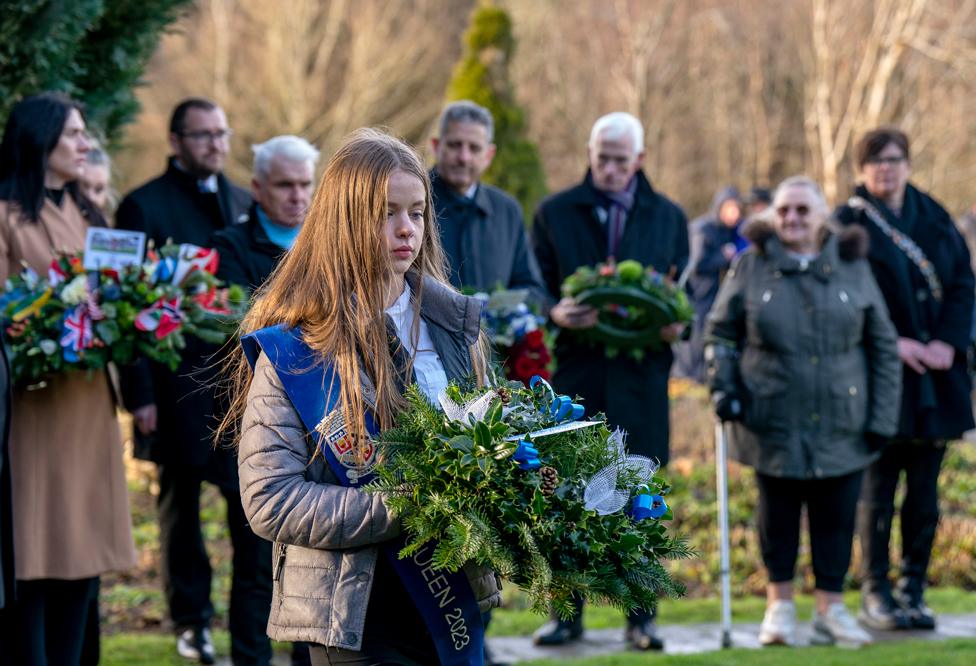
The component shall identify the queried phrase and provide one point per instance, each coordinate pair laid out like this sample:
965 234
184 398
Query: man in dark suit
173 411
481 227
614 214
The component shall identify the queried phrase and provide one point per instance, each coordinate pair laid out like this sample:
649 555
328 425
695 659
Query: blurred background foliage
736 92
94 50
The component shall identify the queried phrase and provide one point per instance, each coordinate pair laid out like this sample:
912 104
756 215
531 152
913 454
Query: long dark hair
33 130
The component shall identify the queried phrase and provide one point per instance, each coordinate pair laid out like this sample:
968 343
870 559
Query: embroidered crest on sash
336 436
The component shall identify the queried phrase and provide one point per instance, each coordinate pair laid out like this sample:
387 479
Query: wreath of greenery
634 303
463 485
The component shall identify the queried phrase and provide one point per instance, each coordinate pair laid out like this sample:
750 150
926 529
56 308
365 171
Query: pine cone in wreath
504 395
550 479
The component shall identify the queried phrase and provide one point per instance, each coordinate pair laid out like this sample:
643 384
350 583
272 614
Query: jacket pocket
767 385
849 405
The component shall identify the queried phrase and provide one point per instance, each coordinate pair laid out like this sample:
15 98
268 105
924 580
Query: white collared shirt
427 365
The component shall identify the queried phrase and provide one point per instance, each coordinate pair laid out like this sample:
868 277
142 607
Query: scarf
620 205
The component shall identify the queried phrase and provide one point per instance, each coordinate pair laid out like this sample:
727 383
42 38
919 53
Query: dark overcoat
172 207
809 350
567 233
935 405
247 255
485 241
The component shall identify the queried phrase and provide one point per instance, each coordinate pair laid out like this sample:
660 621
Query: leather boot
644 636
879 610
560 632
910 596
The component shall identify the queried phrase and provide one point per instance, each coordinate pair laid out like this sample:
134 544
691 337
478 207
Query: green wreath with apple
633 302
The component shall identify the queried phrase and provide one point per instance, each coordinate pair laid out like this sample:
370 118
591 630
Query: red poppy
524 366
534 339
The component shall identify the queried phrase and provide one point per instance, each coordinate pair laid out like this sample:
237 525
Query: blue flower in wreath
648 506
527 456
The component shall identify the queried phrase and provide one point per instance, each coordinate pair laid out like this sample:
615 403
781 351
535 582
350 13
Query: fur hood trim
852 240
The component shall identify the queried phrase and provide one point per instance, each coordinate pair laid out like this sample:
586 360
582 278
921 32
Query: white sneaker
196 645
779 624
838 627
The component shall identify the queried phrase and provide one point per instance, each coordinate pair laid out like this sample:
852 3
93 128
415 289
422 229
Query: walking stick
721 456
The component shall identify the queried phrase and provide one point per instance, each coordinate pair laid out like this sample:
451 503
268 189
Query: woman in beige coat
70 503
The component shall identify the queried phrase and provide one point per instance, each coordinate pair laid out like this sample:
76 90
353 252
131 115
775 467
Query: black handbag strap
903 242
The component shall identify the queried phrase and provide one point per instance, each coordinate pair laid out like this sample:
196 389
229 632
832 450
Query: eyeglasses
802 210
203 136
890 161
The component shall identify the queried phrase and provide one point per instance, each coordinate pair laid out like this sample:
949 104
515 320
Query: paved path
680 639
697 638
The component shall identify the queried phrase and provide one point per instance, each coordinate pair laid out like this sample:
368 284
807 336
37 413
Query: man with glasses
173 411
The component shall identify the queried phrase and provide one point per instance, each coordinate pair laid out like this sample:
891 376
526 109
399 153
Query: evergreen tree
93 50
482 76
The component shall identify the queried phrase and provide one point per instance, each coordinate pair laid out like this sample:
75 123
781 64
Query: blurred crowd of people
834 344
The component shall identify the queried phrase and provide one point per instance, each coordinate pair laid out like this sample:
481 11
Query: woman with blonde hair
357 310
803 362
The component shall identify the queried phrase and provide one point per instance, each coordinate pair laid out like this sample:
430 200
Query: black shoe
912 603
558 632
643 636
880 611
195 644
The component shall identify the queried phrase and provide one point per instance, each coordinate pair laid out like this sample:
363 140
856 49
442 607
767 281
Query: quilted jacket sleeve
281 504
725 329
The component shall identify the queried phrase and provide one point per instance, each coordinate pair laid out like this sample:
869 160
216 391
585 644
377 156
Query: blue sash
445 600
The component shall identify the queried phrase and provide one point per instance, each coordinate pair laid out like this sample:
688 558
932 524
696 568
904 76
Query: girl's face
94 184
799 219
406 201
66 163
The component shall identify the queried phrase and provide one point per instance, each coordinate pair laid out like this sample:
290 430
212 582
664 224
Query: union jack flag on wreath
162 317
77 333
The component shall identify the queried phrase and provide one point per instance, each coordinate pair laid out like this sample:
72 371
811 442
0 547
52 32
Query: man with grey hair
613 215
481 227
282 183
284 170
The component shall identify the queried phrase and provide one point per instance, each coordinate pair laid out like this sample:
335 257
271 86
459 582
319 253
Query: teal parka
810 350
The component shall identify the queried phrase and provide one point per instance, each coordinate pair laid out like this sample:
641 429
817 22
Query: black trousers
50 617
186 566
921 463
370 655
831 506
91 650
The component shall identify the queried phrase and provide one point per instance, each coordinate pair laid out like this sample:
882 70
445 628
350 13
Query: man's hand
672 332
728 251
939 355
913 354
145 419
567 313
